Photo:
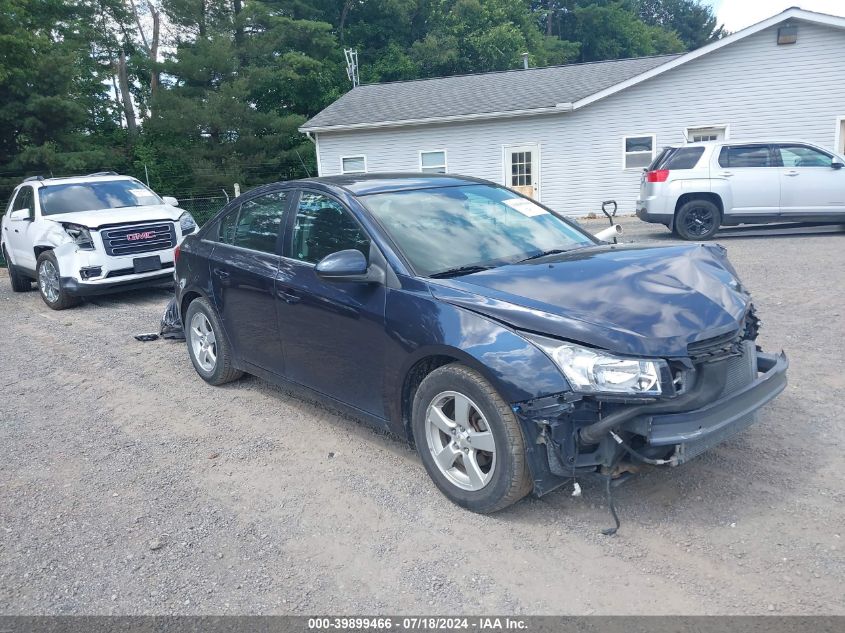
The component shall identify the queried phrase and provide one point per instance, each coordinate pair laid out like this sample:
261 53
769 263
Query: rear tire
469 440
49 280
19 282
697 220
207 345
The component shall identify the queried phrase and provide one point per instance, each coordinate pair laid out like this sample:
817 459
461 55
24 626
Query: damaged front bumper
724 400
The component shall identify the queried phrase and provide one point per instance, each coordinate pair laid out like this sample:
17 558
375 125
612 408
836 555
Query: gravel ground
129 486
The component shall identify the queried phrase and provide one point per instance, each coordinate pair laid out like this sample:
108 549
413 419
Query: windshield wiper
554 251
457 272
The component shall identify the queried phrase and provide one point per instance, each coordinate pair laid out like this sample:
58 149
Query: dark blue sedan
514 350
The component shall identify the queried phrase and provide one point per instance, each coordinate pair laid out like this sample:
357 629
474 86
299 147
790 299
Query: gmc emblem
146 235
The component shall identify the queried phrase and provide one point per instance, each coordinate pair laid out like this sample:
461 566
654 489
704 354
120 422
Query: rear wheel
469 440
697 220
207 346
20 283
50 283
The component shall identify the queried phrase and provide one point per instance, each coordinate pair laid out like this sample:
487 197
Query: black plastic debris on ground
171 324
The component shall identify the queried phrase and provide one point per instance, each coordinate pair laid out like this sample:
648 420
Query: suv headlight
80 235
187 222
595 371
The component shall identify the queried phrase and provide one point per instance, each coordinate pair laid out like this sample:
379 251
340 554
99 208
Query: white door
522 169
16 233
751 177
809 185
841 147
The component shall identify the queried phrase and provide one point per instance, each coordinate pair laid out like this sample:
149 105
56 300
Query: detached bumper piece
753 379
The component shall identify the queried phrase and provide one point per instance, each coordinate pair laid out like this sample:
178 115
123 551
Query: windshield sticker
140 193
525 207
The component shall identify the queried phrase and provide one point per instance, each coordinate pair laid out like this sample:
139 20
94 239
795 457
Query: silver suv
695 188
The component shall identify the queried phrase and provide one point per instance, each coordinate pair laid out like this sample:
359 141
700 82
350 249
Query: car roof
779 141
367 184
66 180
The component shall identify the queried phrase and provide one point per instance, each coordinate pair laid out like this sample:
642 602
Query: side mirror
21 215
348 265
173 202
837 164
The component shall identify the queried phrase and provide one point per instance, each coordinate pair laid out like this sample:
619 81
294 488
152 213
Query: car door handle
793 173
288 297
727 174
223 274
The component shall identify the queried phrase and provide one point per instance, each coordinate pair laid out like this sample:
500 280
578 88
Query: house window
521 175
638 150
433 162
707 133
353 165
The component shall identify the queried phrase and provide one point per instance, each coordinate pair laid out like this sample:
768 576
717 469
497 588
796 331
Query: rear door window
745 156
679 158
259 222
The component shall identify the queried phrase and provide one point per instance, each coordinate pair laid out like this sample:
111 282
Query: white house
574 135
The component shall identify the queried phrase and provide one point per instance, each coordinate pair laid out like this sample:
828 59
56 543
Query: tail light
176 254
658 175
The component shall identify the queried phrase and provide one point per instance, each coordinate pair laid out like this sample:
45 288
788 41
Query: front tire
20 283
697 220
469 440
49 281
207 346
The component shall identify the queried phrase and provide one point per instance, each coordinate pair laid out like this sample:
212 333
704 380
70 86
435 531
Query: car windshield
91 196
460 229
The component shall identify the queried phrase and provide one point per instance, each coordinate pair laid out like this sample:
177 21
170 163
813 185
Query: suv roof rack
31 178
104 173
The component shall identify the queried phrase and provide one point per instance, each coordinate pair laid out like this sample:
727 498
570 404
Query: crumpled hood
631 299
104 217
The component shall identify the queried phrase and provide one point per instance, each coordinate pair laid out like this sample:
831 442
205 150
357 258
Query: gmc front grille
140 238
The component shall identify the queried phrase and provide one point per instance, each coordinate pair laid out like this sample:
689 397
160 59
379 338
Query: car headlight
595 371
187 222
80 235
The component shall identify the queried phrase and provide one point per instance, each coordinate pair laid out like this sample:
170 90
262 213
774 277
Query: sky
737 14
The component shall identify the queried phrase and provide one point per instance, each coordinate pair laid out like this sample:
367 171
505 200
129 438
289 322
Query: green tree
694 23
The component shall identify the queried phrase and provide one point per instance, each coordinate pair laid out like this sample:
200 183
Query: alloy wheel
699 221
203 342
48 281
460 440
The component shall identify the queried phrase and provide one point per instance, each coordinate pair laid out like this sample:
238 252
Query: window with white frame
638 151
433 162
353 165
707 133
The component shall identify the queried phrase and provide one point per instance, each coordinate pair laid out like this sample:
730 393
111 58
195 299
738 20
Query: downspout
314 139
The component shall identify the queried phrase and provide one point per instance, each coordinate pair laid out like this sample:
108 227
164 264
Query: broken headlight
80 235
595 371
187 222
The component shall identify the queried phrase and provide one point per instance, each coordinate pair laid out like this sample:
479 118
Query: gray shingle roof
465 95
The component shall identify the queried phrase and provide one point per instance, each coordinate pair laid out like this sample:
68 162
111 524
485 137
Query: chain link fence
203 208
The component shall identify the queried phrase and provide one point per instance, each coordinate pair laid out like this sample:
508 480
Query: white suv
89 235
695 188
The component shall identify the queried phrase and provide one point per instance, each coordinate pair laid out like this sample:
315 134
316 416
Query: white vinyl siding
761 90
353 165
433 162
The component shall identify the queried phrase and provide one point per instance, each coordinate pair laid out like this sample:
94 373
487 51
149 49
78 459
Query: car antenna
304 166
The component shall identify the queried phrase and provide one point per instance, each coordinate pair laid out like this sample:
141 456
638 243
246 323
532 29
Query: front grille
715 348
140 238
122 272
741 370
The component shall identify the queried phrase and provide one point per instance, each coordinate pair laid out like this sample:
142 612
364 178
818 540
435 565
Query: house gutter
483 116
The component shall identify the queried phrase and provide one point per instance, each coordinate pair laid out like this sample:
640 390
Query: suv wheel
207 346
697 220
50 283
20 283
469 440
